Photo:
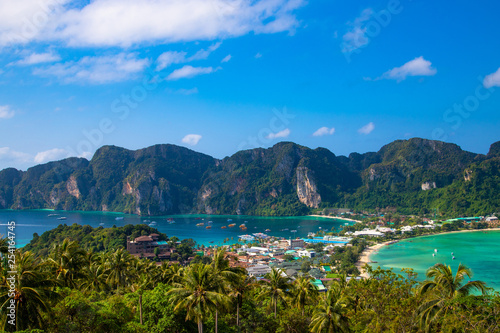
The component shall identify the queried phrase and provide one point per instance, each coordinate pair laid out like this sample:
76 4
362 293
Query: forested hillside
415 176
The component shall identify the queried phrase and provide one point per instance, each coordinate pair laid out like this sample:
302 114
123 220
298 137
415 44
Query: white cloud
191 139
367 129
356 36
6 112
258 55
492 80
203 54
226 58
38 58
168 58
96 70
281 134
50 155
416 67
173 57
12 158
22 21
324 131
188 71
127 22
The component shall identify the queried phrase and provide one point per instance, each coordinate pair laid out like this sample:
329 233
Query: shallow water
31 221
478 250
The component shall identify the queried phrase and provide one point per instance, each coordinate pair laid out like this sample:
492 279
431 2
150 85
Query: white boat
118 218
210 222
453 258
435 250
101 224
61 218
229 220
52 215
433 254
152 224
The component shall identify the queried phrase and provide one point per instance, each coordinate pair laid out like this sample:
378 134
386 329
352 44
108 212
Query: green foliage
94 239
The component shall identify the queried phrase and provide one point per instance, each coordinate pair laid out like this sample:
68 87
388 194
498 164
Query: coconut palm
198 293
276 288
303 293
442 287
67 262
32 294
330 315
239 288
118 265
95 278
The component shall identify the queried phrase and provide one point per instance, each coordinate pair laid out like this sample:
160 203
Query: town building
144 246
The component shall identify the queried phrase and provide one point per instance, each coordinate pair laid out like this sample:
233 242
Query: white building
306 253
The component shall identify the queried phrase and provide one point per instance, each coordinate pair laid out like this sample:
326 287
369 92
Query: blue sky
222 75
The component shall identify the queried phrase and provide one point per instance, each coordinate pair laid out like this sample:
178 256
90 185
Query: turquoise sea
478 250
31 221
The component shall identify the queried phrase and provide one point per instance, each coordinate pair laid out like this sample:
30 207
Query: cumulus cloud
258 55
416 67
127 22
38 58
188 72
367 129
226 58
324 131
6 112
23 21
12 158
356 36
492 80
281 134
96 70
191 139
50 155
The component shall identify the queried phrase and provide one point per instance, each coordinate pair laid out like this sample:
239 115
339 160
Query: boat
223 227
435 250
242 225
52 215
246 237
453 258
243 228
229 220
152 223
210 222
170 219
200 224
171 222
146 221
319 227
267 230
208 227
61 218
293 230
433 254
101 224
232 225
286 229
452 253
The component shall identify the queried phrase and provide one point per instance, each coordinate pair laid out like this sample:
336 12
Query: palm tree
241 286
330 314
95 278
277 288
198 293
221 268
67 261
33 292
443 288
303 293
118 265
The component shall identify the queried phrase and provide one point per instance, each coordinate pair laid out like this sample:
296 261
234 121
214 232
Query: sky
218 76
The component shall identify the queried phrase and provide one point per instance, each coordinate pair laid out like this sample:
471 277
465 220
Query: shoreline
365 255
336 218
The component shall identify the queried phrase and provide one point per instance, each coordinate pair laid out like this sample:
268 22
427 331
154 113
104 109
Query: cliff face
413 175
306 188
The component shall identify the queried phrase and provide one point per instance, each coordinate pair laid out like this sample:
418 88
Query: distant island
415 176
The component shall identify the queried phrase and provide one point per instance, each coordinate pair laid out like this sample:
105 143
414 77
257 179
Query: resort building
144 246
293 243
306 253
